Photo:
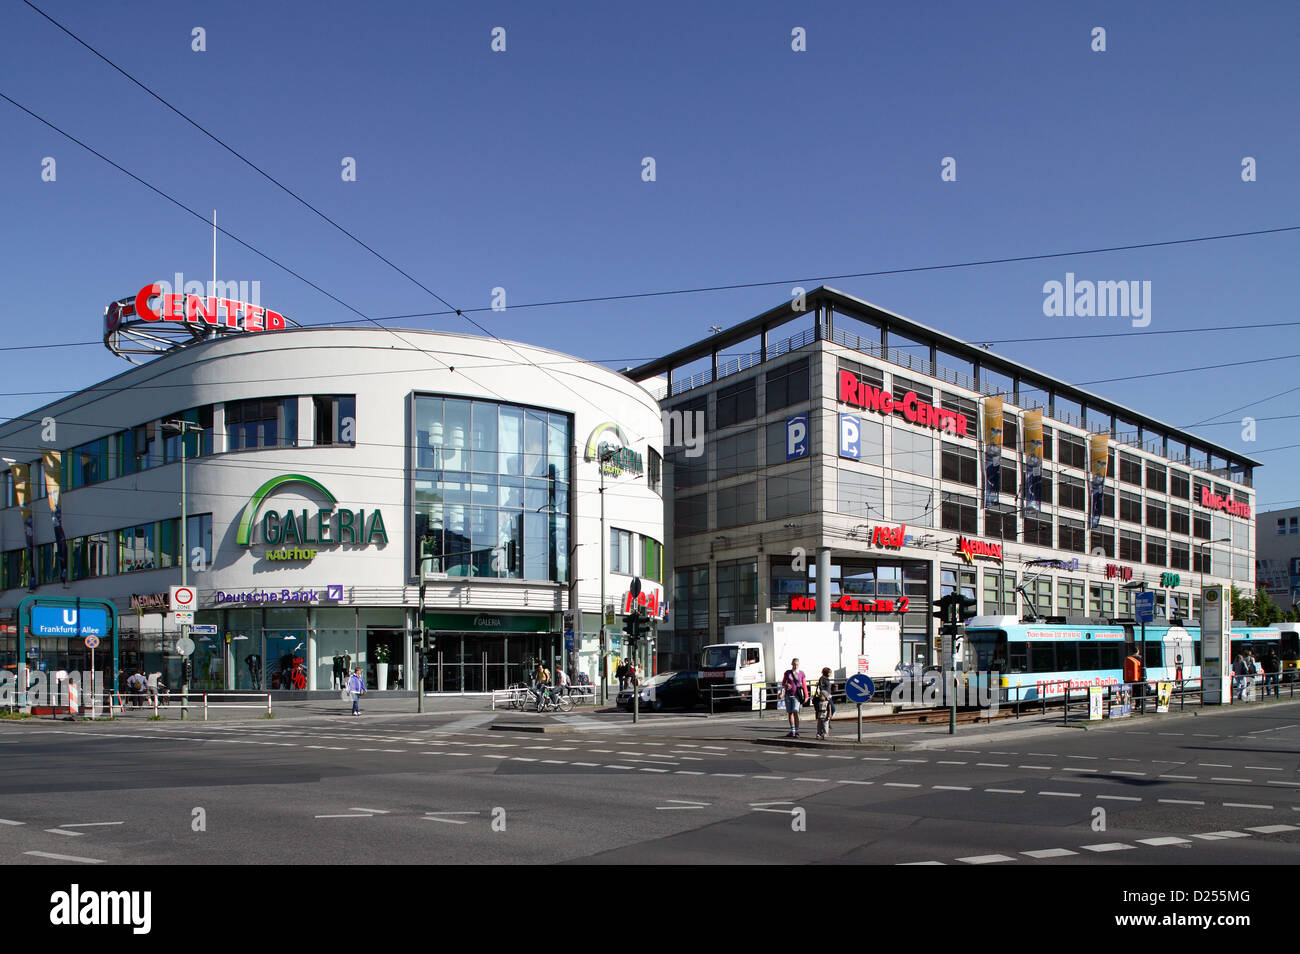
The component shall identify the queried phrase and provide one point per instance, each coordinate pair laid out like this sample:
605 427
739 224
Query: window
262 422
860 494
655 470
1103 539
336 422
789 493
1070 493
737 593
1070 536
1010 432
913 504
1047 497
198 443
620 551
960 405
902 386
952 578
89 556
1180 520
1156 514
863 372
1039 593
958 463
787 385
135 449
1201 527
999 593
1101 600
1155 477
135 548
1179 556
913 451
1069 597
691 601
1156 551
652 559
88 464
1201 560
1130 507
1000 523
1007 477
737 454
1294 526
1130 470
1198 486
736 403
1038 529
690 515
960 513
1281 527
1179 484
1072 451
1130 546
198 536
737 505
1047 443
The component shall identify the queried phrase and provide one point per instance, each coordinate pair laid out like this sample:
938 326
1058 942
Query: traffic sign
204 629
859 688
92 642
185 646
69 621
184 618
182 598
1144 604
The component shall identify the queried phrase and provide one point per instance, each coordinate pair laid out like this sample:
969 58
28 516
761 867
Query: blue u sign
69 621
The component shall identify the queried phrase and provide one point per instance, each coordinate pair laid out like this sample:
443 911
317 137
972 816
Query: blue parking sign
850 437
796 437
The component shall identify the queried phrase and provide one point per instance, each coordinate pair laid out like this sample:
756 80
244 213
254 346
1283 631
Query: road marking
563 762
1245 805
991 765
99 824
848 757
913 760
1049 853
587 764
949 788
1092 757
486 756
952 763
985 859
907 863
1071 768
520 758
7 821
1108 846
728 775
54 857
1063 794
849 781
1273 829
680 771
60 831
1215 778
1214 765
1264 768
1166 840
632 768
1219 835
1006 791
345 816
1121 772
784 801
1120 798
898 784
1040 767
1185 778
1291 784
373 811
1179 801
770 778
882 758
655 770
803 779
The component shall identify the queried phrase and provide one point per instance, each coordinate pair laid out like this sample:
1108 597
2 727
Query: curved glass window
491 493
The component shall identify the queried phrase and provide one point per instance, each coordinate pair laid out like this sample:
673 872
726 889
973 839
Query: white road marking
1179 801
1071 768
345 816
1166 840
61 831
1245 805
952 763
902 785
1039 767
1264 768
991 765
1185 778
1108 846
8 821
95 824
1273 829
587 764
1120 798
1049 853
849 781
770 778
1120 772
1215 778
632 768
985 859
1006 791
373 811
1214 765
804 779
54 857
678 772
1063 794
1219 835
949 788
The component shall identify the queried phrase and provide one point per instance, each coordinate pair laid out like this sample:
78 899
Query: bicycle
520 697
553 701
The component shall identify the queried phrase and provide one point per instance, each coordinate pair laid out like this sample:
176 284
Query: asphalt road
1220 788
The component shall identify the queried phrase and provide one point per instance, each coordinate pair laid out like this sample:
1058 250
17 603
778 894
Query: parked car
668 690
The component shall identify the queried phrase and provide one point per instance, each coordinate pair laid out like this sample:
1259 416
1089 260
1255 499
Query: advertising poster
23 497
992 450
52 464
1099 448
1164 690
1033 430
1096 699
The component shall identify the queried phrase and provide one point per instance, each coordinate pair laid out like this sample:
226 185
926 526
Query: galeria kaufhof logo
328 526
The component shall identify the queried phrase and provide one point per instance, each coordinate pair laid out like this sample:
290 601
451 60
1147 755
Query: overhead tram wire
465 313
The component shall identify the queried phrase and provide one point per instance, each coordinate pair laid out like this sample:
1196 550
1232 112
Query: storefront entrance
472 660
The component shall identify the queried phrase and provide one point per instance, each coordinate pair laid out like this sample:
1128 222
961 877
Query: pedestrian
542 682
621 672
1272 673
1252 671
561 681
794 684
823 703
356 686
1238 677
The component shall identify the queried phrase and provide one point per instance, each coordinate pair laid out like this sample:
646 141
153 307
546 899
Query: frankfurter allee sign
327 526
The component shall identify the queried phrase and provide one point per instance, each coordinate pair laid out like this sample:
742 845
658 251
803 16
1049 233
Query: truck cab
736 666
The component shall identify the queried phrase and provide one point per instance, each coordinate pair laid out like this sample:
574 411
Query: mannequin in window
254 663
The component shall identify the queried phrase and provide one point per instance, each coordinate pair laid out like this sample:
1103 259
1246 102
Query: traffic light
630 627
641 620
954 610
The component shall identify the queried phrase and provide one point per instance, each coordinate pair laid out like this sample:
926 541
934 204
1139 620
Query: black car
667 690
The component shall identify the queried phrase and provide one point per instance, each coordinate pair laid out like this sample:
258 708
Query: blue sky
522 169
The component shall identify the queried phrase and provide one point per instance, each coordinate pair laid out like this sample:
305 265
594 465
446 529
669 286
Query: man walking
1239 677
823 704
356 686
1272 673
795 686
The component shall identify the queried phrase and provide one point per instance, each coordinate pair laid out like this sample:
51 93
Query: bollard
1065 709
205 707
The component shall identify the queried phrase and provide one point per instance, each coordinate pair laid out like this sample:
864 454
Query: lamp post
182 428
1202 546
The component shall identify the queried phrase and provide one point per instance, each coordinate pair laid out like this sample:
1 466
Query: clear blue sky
522 169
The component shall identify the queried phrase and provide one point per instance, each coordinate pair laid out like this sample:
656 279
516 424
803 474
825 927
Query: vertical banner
992 450
23 497
52 464
1216 651
1099 449
1033 431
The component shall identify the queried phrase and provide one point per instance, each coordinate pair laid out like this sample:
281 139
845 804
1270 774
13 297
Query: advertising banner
1215 656
992 450
1033 432
52 464
23 497
1099 449
1163 691
1096 699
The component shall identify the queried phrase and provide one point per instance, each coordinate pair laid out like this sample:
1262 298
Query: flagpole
213 291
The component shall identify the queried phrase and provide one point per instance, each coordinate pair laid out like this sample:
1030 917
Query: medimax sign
326 526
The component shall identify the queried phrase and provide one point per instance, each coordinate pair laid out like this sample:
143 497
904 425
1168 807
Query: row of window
148 546
646 561
260 422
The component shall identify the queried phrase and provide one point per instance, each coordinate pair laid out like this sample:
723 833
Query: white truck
761 653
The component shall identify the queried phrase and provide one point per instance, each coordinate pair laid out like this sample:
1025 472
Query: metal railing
522 697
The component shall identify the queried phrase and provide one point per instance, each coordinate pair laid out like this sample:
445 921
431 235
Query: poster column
1215 654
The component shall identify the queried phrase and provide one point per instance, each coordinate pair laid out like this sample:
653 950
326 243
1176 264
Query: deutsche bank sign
796 437
850 437
69 621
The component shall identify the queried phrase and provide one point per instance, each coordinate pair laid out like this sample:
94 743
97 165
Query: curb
550 729
814 744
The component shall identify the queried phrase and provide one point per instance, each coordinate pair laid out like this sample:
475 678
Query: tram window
1067 656
1017 658
1089 655
1112 656
1196 650
1290 646
1155 654
1042 657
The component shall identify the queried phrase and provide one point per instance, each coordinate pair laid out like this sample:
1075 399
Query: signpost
1214 686
91 643
859 689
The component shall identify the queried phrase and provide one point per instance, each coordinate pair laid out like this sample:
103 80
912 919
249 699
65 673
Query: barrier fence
523 697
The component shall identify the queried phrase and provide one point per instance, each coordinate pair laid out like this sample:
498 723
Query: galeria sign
205 311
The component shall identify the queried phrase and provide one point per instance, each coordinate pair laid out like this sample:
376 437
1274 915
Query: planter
381 676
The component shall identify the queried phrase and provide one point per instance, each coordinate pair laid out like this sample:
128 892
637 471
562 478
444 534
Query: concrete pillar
823 584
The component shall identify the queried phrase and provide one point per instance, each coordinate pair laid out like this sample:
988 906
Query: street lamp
1201 546
605 455
183 428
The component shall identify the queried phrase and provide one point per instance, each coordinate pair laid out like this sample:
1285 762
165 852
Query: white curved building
328 468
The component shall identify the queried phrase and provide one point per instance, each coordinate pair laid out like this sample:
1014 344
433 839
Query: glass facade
492 488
